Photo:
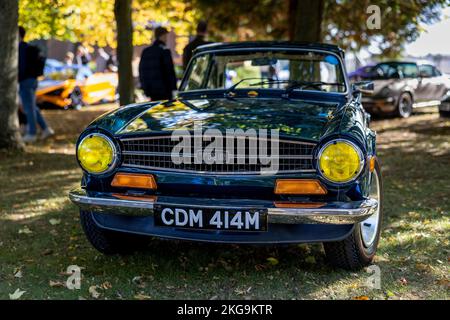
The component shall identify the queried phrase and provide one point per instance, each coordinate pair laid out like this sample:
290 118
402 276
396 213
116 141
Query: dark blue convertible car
266 143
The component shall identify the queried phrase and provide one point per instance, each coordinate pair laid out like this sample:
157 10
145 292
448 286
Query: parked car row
400 87
73 86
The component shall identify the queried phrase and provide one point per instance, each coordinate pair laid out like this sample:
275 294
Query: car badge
252 94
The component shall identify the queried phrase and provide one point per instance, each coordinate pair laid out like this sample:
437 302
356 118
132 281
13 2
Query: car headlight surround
96 153
340 161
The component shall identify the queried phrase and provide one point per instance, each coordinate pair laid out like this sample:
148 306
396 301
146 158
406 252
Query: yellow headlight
340 161
96 153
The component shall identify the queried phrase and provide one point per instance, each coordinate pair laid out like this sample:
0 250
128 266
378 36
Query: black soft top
270 44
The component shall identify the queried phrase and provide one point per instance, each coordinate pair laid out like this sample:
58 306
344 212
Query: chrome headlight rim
358 151
115 157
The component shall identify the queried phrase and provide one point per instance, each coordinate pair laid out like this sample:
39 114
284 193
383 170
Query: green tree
342 22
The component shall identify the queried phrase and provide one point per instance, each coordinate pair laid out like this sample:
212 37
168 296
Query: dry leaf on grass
16 295
361 298
25 230
54 222
93 292
54 284
18 273
273 261
141 296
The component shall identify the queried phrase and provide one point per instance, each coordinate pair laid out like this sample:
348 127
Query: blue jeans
27 92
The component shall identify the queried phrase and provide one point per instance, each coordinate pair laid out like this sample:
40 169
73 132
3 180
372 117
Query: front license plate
211 219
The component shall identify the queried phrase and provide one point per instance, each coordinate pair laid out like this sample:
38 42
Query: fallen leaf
56 284
390 294
137 280
272 261
93 292
18 273
54 221
16 295
141 296
25 230
106 285
47 252
444 282
361 298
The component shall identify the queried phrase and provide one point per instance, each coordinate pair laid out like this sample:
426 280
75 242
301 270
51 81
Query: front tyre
110 242
444 114
358 249
405 105
76 98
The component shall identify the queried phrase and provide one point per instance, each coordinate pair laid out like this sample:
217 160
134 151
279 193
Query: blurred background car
73 86
401 86
444 107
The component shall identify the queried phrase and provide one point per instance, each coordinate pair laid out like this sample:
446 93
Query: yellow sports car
74 86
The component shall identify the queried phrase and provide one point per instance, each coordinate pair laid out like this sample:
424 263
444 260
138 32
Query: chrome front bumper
328 213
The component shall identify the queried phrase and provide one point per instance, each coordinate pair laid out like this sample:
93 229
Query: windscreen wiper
310 84
230 90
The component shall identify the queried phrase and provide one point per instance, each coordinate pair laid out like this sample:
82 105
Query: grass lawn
40 235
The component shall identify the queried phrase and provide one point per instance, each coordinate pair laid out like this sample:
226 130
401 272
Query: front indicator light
299 186
96 153
340 161
132 180
372 163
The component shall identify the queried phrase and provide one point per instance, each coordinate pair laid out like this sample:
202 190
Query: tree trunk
122 13
305 20
9 125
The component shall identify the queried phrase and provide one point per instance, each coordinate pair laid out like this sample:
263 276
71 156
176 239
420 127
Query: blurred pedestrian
31 66
82 59
68 59
202 28
101 62
156 70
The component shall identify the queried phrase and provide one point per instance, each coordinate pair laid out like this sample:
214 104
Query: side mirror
364 87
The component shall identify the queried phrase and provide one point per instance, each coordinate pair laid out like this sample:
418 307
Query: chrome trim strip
331 213
247 137
192 155
214 172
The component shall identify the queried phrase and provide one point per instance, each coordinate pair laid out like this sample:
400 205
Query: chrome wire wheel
369 227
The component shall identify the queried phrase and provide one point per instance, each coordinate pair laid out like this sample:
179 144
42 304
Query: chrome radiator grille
155 153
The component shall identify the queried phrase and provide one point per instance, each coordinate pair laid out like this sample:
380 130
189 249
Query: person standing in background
82 59
68 59
101 62
31 66
202 28
156 70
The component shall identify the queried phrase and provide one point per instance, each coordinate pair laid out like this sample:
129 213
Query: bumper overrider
336 213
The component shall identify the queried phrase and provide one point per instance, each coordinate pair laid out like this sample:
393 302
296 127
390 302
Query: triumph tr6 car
266 143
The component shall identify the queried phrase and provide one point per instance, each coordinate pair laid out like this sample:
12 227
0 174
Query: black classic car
399 87
266 143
